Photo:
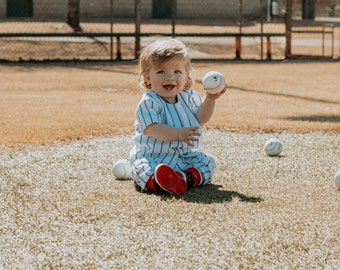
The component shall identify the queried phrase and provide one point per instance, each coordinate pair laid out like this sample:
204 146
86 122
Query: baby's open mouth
169 86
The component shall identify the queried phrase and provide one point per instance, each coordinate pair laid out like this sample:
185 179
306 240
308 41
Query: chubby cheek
155 82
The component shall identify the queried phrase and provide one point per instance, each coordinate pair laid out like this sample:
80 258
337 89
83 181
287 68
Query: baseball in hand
213 82
273 147
122 169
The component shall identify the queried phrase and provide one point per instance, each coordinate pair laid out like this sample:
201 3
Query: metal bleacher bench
333 9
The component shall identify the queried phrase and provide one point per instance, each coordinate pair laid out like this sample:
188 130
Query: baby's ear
186 86
188 83
147 81
146 78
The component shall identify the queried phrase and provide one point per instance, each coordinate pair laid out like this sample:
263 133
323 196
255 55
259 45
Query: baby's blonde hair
162 50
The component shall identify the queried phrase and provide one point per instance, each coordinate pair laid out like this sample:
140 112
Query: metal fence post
111 30
289 23
138 17
238 44
173 17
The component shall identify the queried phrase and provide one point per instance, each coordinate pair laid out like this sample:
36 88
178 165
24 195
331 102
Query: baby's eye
178 72
161 72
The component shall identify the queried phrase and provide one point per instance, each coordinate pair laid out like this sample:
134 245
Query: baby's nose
169 76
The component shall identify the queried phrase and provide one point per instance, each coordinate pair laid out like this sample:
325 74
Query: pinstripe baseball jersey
148 152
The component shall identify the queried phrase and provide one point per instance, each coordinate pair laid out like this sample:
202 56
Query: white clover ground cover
61 208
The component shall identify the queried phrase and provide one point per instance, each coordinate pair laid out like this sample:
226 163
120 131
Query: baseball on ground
337 179
122 169
273 147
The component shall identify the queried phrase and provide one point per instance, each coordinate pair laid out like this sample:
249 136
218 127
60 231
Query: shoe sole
169 181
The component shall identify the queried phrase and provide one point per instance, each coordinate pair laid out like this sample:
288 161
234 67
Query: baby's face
168 78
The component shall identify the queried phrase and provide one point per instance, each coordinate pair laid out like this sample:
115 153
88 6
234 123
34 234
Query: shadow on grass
283 95
315 118
212 194
207 195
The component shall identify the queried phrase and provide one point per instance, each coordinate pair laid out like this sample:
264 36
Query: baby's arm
206 110
168 133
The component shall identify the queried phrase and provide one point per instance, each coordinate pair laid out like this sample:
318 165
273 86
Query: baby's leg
203 162
142 170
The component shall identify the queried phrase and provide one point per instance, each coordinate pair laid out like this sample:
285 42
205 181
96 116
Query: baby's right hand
189 135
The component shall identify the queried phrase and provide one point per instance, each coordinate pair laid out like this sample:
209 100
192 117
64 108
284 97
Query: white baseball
337 179
122 169
213 82
273 147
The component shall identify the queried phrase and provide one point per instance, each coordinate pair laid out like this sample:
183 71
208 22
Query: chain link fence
315 28
212 29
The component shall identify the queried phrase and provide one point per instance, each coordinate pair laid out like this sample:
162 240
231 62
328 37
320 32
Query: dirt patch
43 103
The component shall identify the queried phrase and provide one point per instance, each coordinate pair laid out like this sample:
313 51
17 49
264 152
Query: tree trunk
73 15
308 9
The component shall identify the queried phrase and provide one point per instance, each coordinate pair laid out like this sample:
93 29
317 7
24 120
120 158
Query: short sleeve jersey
153 109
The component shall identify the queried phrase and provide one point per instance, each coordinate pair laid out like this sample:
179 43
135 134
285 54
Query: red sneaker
169 180
194 177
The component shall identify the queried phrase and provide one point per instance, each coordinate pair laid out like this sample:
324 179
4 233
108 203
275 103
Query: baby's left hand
216 96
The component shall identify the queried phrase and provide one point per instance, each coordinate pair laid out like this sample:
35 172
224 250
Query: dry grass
62 126
62 209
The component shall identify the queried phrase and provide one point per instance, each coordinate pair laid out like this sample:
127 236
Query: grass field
63 125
